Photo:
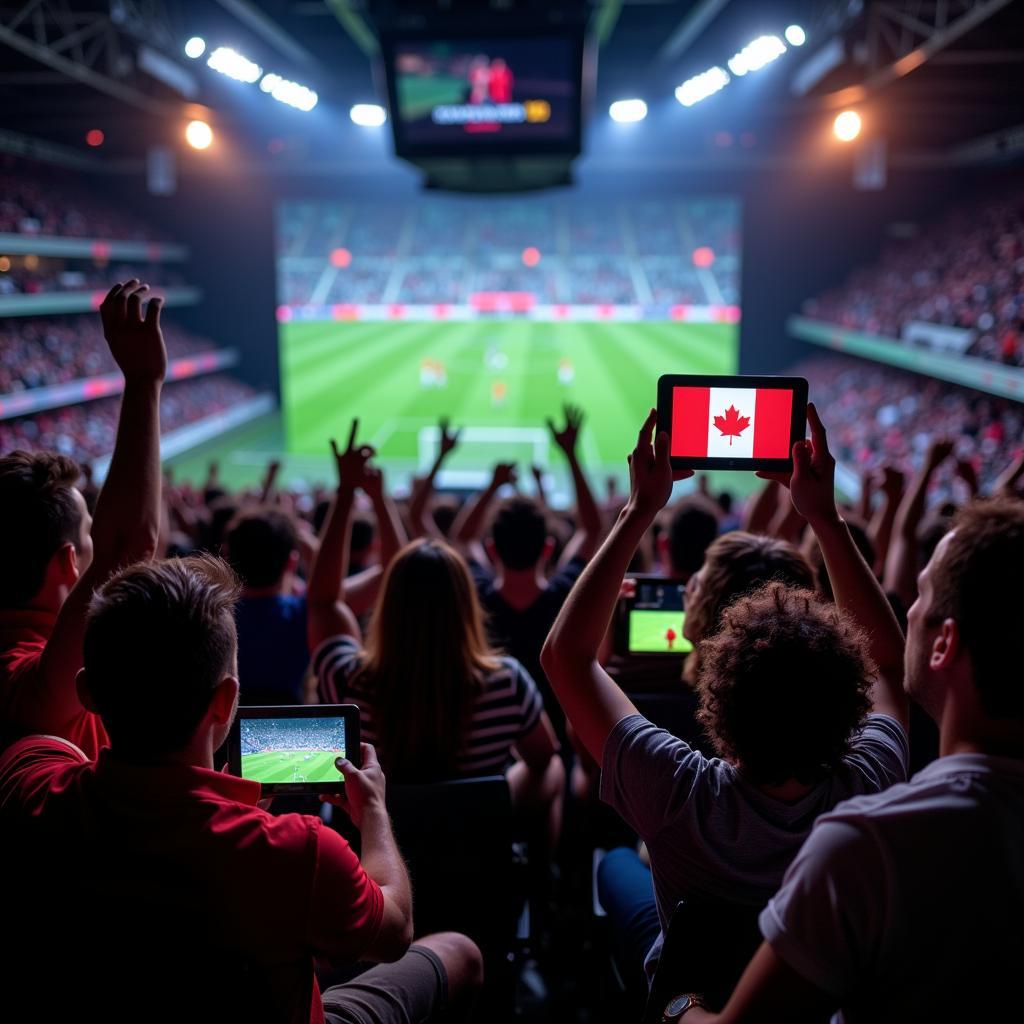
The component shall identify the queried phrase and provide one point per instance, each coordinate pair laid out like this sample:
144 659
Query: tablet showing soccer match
732 422
294 748
650 621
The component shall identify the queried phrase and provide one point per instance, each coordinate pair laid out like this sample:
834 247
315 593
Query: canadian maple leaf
732 424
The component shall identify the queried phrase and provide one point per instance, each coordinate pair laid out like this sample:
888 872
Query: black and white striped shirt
506 708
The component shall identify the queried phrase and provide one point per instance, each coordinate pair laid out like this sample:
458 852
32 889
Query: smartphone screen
656 618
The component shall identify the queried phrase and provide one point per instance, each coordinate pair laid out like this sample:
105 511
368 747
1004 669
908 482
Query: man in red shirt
145 885
54 555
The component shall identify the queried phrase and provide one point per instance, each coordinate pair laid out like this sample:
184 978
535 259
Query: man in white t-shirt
907 905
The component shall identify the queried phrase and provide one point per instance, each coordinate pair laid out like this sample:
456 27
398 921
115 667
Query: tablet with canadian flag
736 419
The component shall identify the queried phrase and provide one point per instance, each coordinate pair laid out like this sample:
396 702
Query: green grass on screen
648 632
292 766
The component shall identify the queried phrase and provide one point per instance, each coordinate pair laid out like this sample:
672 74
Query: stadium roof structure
938 81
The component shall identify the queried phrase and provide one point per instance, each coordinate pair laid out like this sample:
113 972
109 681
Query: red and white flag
731 423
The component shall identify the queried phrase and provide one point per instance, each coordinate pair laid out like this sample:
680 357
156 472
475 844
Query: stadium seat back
707 947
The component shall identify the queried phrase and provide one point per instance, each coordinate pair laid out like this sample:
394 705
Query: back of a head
976 582
519 532
736 564
425 649
363 532
783 685
259 543
38 514
159 637
691 531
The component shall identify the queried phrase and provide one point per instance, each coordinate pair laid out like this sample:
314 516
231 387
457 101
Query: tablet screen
292 750
731 423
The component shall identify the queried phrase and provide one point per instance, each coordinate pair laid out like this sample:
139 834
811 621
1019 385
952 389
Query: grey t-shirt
711 833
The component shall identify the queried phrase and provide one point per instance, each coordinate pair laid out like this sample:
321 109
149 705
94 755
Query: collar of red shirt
155 782
26 624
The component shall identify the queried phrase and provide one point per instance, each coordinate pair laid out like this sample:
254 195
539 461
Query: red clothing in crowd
25 707
162 888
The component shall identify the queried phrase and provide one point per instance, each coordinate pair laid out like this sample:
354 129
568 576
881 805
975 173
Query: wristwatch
677 1008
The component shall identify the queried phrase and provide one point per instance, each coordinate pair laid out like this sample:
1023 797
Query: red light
531 256
94 137
340 257
703 257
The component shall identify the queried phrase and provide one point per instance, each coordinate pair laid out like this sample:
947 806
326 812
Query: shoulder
337 654
29 767
635 737
879 756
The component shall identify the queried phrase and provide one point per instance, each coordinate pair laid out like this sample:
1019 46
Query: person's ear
945 647
66 558
225 699
85 697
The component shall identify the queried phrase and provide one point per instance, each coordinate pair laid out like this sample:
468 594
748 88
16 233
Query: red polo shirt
24 708
162 890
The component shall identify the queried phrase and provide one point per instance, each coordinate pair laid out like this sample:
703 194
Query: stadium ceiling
938 80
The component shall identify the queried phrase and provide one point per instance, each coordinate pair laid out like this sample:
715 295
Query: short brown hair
158 639
38 515
783 685
976 582
258 542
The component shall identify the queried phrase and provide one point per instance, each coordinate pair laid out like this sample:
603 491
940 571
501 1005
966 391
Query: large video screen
495 312
472 94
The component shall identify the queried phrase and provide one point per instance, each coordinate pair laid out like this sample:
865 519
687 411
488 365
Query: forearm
469 525
583 621
381 858
586 507
760 512
880 531
330 567
900 574
392 532
858 593
126 523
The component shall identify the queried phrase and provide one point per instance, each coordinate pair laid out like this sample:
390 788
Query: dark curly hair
783 685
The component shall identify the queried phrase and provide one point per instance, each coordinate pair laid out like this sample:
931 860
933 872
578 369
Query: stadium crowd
258 735
47 275
966 270
837 650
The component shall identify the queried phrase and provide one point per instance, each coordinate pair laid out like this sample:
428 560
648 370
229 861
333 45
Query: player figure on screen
670 637
500 81
566 372
499 392
494 358
479 79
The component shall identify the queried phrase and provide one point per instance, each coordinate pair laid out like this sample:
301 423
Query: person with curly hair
803 702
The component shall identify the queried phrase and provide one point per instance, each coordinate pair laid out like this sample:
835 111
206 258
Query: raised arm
881 524
126 521
901 566
327 614
856 589
469 524
1009 480
269 482
759 511
590 698
420 522
389 522
584 542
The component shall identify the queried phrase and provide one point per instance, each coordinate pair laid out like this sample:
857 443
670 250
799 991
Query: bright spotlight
198 134
701 86
847 125
195 47
627 111
292 93
368 115
795 35
234 65
755 55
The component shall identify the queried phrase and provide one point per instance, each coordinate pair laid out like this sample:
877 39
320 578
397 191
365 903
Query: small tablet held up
292 749
649 622
747 423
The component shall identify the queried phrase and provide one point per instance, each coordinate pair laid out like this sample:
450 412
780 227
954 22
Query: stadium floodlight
195 47
284 91
231 63
198 134
627 111
701 86
847 125
795 35
757 54
368 115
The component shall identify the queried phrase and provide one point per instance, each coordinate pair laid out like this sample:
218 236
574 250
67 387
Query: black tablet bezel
349 712
797 429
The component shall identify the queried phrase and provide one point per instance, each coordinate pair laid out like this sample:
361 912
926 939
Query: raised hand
448 438
891 482
938 451
373 482
812 484
504 473
351 463
650 470
965 471
136 342
566 437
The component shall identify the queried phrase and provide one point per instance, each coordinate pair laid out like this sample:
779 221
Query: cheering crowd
848 772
